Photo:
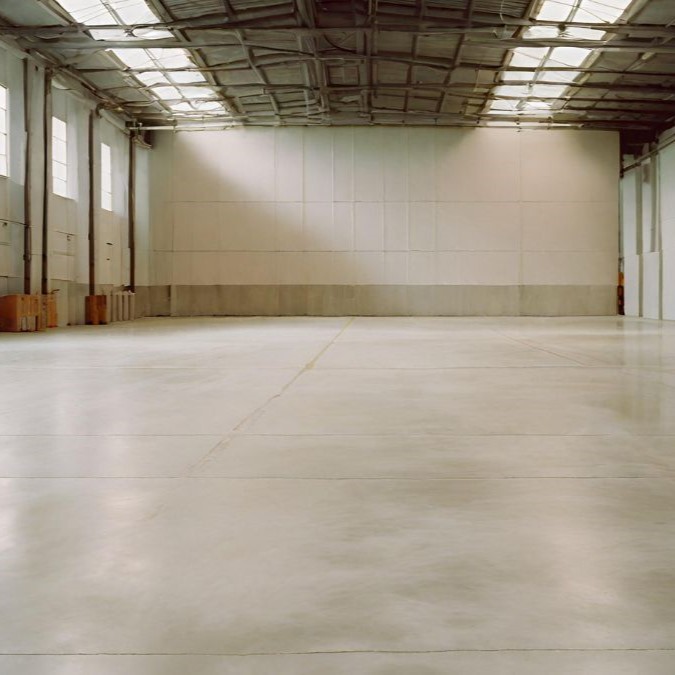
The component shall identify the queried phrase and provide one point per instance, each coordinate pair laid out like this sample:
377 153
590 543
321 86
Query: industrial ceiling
607 64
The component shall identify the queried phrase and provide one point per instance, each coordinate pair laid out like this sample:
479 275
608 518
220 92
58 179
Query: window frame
4 131
106 177
60 137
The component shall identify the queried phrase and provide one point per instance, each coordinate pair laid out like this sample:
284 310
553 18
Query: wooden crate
20 313
49 311
96 309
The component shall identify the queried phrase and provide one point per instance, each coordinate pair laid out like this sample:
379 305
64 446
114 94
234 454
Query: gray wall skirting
324 300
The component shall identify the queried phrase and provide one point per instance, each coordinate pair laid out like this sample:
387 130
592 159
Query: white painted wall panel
569 168
629 214
369 226
651 285
422 267
422 224
667 198
288 166
318 226
343 164
318 165
393 206
668 290
396 165
422 145
632 280
368 164
570 226
396 226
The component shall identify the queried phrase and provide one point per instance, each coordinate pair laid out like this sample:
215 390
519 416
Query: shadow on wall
331 206
413 207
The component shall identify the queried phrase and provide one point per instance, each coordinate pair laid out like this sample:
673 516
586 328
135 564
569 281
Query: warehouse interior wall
374 220
321 220
68 217
648 232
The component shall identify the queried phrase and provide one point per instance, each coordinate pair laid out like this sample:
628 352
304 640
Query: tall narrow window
4 122
59 157
106 177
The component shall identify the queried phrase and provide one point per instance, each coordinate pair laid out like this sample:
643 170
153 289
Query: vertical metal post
92 208
47 142
27 188
132 213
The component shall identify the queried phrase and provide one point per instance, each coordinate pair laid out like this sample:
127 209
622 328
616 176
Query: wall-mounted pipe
47 143
27 188
92 207
132 213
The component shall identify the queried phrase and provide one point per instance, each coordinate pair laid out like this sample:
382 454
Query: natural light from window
4 124
106 177
185 94
59 157
533 98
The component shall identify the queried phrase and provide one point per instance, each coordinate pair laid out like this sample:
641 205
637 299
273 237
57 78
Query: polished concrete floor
339 496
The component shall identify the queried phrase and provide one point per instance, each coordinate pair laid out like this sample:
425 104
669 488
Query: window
106 177
3 131
59 157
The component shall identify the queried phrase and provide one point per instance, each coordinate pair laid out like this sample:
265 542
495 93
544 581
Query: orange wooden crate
19 313
49 312
96 309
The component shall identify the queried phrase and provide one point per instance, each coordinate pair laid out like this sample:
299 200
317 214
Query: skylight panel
88 12
182 107
568 59
536 105
207 106
528 56
567 76
583 11
194 92
568 56
167 92
124 12
134 58
556 10
500 107
542 33
548 90
535 90
163 79
601 11
187 78
133 11
519 75
151 78
171 58
576 33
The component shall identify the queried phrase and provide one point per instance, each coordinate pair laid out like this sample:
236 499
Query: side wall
648 234
68 218
376 220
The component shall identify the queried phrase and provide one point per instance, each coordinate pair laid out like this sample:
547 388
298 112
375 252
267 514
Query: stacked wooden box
21 312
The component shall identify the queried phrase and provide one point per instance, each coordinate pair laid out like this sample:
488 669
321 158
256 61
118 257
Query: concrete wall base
325 300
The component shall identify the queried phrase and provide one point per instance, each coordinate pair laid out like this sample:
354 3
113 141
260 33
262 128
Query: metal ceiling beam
459 87
271 40
409 25
65 44
242 64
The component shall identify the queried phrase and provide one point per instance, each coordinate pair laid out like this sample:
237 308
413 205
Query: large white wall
430 220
